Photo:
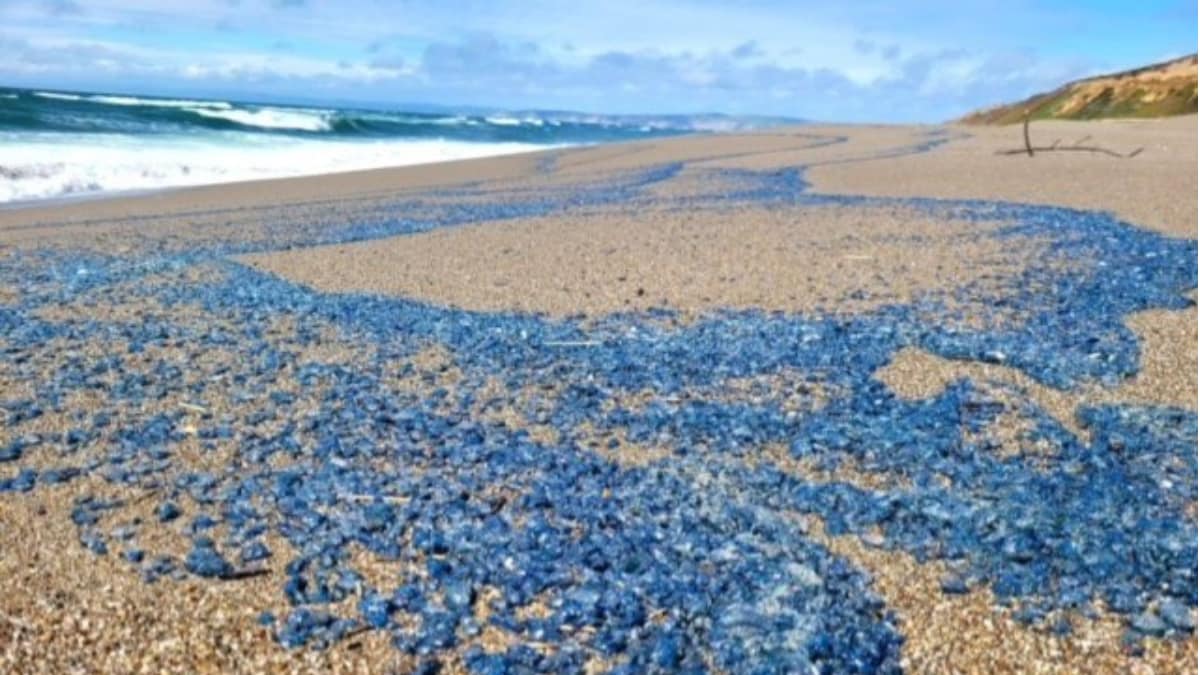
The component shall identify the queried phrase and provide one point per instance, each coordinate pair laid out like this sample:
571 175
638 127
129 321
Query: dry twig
1030 149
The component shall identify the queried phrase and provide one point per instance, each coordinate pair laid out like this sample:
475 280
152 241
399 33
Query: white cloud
809 59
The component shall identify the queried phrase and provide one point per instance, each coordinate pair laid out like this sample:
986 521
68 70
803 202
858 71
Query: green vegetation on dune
1158 90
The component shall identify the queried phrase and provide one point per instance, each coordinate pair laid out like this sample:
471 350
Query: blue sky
868 60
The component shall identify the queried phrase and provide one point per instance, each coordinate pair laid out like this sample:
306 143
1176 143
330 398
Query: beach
818 398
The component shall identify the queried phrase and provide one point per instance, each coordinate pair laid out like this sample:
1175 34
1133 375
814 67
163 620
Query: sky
860 61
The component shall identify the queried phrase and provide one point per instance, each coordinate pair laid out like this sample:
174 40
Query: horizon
429 107
930 61
416 107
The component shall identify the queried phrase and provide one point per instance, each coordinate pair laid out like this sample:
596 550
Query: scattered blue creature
692 561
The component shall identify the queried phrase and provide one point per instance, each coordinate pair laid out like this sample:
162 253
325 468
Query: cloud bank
922 61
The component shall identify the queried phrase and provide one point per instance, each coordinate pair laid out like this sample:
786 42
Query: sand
690 261
1155 189
664 248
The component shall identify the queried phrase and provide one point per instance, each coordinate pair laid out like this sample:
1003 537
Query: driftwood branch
1025 130
1070 148
1030 149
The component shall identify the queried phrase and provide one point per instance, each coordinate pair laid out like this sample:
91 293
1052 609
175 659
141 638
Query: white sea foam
160 102
272 118
35 166
410 118
510 121
503 121
57 96
132 100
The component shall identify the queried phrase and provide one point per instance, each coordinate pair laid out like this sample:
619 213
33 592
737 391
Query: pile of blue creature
698 560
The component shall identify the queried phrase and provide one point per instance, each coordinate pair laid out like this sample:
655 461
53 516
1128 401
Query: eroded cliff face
1158 90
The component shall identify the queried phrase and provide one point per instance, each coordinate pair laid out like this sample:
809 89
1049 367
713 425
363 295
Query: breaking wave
94 164
56 143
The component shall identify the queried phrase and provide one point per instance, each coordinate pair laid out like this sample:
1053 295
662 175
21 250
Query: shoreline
90 197
1046 181
135 193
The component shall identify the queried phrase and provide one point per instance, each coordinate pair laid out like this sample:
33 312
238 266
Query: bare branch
1071 148
1079 146
1025 129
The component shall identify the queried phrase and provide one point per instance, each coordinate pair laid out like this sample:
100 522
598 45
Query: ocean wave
502 121
405 118
159 102
54 144
33 167
131 114
130 101
507 121
53 95
272 118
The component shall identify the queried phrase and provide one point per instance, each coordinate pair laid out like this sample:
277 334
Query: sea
60 144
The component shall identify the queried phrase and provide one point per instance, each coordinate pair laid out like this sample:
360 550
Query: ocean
55 144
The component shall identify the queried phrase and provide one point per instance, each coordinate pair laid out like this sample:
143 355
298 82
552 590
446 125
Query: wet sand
577 235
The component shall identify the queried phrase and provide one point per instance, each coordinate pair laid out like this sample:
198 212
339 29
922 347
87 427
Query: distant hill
1158 90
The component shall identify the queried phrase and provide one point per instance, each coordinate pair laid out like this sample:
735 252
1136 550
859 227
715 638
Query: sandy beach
822 397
